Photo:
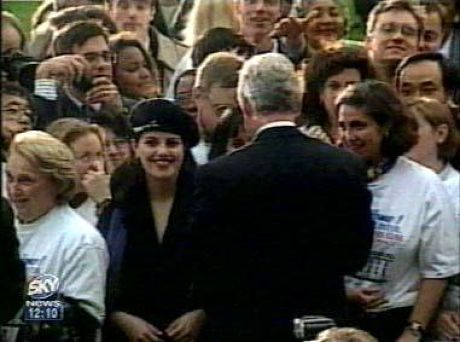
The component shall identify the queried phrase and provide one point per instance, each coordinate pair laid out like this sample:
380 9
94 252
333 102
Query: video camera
20 67
307 328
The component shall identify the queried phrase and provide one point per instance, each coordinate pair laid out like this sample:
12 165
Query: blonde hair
437 113
219 69
50 157
68 130
206 15
345 335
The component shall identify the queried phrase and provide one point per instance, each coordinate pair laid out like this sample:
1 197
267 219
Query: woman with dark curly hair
325 77
415 246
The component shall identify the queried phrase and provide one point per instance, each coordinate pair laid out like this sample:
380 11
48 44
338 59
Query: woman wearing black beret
149 287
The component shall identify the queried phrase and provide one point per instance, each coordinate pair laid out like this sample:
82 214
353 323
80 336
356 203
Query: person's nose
144 74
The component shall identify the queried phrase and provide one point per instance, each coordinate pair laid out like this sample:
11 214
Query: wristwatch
415 328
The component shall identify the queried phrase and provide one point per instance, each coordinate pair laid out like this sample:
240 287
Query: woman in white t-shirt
65 257
415 248
437 144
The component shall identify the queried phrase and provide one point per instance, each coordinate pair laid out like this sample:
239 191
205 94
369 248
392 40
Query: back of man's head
218 69
76 34
269 84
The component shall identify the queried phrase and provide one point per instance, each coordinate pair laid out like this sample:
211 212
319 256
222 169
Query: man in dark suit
279 222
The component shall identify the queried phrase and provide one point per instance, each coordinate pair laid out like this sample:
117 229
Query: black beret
165 116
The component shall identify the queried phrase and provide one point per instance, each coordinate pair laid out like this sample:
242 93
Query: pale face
257 17
16 117
161 155
32 194
96 52
395 36
11 40
432 33
334 86
212 105
133 15
327 24
134 78
117 150
426 148
360 133
89 154
423 79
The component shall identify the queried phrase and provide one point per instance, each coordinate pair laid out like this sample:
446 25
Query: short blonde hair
206 15
345 335
50 157
219 69
68 130
437 113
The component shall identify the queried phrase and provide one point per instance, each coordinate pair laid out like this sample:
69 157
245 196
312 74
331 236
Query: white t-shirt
451 179
88 210
64 245
415 235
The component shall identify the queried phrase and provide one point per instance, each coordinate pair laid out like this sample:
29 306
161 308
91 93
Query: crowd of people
216 170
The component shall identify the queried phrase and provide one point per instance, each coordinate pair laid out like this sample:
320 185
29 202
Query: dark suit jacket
278 224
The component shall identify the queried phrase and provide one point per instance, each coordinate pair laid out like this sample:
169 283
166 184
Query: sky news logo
42 304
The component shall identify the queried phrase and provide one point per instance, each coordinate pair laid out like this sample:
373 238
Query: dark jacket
49 110
12 271
147 278
278 224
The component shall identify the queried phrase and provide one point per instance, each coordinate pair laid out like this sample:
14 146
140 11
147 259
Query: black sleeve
12 272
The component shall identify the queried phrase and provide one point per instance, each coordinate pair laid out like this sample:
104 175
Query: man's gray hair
268 82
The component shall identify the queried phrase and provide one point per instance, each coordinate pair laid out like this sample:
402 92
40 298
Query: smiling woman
54 240
415 246
135 72
149 238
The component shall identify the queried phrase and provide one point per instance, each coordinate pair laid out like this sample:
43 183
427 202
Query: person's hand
135 328
187 327
367 298
447 325
291 28
106 93
64 69
97 185
408 336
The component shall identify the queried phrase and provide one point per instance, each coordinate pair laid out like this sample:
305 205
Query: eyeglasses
118 143
106 56
391 29
265 2
89 158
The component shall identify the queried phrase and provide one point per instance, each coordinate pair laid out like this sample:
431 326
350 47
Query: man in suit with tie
279 222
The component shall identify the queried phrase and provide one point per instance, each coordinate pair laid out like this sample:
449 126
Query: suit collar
277 132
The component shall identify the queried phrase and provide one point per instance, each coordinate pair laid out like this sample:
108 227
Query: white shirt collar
275 124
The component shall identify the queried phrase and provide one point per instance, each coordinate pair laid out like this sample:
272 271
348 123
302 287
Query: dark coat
148 279
47 111
278 224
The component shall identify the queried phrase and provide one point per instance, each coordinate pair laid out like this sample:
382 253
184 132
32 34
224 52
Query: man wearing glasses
393 32
78 82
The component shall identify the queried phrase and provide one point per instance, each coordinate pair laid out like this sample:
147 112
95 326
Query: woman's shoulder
76 229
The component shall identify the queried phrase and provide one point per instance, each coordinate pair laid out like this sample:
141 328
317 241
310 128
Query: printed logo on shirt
388 239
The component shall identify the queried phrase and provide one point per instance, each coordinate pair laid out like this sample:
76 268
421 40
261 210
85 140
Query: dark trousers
386 326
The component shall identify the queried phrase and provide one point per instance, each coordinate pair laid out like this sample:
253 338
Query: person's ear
441 133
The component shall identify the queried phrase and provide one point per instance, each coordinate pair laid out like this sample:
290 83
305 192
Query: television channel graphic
42 303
